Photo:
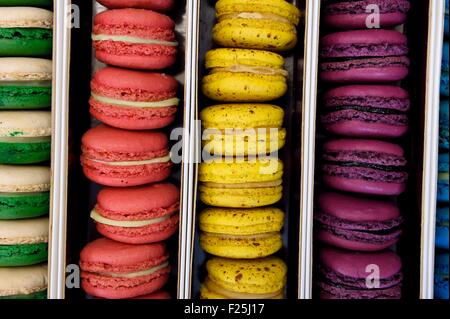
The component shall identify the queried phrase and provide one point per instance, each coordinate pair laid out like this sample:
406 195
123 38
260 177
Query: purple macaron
356 275
360 14
369 111
364 56
364 166
357 223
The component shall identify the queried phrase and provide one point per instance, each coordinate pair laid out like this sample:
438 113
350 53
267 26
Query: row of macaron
25 138
354 224
241 227
136 210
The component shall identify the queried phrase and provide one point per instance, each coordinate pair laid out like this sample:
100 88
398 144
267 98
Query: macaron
441 276
364 166
256 24
138 215
242 183
114 270
135 39
443 125
446 23
442 239
23 242
24 191
360 14
156 5
25 137
243 129
133 100
357 275
244 279
25 83
25 31
444 70
357 223
241 233
115 157
28 282
364 56
34 3
442 191
240 75
370 111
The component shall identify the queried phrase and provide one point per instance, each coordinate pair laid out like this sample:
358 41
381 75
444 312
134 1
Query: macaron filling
253 15
157 160
365 114
241 68
244 185
136 104
349 64
128 223
135 274
133 40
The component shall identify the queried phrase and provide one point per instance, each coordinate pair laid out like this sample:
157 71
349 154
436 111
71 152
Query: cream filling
164 159
38 139
244 185
123 223
27 83
212 286
158 104
260 70
237 237
254 15
138 273
123 38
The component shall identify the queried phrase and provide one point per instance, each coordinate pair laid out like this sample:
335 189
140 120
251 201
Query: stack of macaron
137 210
241 175
26 31
364 113
442 240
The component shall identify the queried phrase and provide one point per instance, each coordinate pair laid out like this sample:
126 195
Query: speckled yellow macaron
241 233
244 279
241 183
243 129
240 75
256 24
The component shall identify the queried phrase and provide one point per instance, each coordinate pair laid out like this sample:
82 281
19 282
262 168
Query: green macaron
25 137
25 83
24 192
23 242
33 3
29 282
26 31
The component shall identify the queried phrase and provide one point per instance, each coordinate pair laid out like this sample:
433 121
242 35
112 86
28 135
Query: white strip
27 83
164 159
138 273
121 38
158 104
124 223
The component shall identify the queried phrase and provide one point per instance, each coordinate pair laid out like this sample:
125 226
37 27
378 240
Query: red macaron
135 39
133 100
138 215
365 166
115 157
157 5
114 270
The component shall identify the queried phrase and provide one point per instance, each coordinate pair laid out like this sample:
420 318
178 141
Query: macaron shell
26 42
227 57
27 231
26 17
22 206
23 255
367 129
330 292
364 187
25 153
23 280
24 179
157 5
24 97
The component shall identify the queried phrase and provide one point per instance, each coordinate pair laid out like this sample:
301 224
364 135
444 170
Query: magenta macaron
361 14
364 56
364 166
138 215
357 223
369 111
133 100
356 275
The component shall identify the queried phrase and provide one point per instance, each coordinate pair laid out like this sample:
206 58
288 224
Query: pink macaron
138 215
115 157
133 100
157 5
364 166
357 223
114 270
369 111
135 39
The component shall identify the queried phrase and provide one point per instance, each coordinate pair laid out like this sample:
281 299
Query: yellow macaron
243 129
256 24
241 233
240 75
244 279
241 183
